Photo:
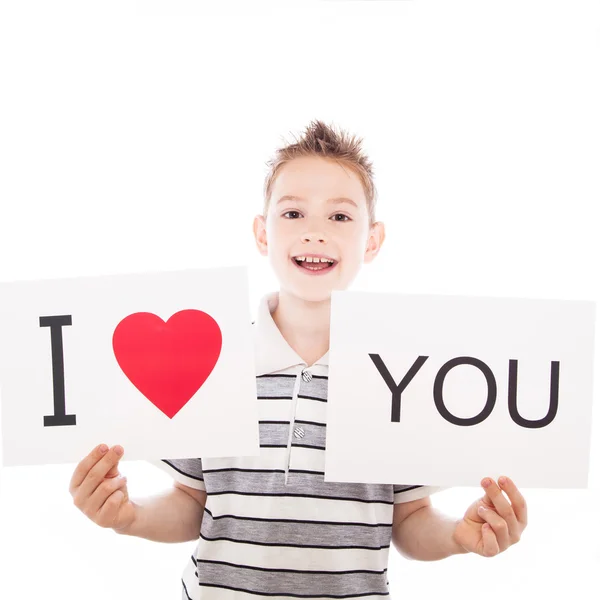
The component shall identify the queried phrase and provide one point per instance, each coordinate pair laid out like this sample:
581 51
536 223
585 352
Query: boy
270 525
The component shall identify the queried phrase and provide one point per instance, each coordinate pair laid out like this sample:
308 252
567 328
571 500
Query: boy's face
317 207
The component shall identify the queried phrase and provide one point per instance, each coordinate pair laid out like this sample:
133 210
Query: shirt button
299 432
306 375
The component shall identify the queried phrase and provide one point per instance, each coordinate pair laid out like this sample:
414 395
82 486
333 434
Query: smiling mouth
315 267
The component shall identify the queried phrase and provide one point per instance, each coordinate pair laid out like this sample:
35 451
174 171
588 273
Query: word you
438 386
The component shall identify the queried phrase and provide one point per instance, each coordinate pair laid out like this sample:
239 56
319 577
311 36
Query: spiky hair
325 141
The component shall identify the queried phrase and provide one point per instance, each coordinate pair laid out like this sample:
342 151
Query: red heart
168 362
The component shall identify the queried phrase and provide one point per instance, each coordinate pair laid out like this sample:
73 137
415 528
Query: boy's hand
99 491
498 525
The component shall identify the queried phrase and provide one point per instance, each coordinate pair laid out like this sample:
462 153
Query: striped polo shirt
272 527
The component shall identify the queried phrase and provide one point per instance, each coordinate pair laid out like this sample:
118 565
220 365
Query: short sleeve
187 471
408 493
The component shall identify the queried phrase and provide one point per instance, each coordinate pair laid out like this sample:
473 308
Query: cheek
281 232
356 246
276 244
272 232
357 256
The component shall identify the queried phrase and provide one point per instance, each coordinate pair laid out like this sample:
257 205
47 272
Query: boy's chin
313 293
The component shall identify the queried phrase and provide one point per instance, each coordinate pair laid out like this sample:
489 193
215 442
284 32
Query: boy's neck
304 325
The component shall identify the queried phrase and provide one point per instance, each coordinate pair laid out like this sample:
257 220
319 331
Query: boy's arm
101 494
173 516
421 532
491 524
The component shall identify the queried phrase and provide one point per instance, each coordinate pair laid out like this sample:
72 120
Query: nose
313 231
314 237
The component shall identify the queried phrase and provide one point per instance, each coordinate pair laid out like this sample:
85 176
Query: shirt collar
271 350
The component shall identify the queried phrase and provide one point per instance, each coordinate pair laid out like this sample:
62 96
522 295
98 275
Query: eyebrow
340 200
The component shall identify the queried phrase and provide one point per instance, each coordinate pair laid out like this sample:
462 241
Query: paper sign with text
161 363
445 390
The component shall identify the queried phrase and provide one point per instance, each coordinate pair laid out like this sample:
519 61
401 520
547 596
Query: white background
134 138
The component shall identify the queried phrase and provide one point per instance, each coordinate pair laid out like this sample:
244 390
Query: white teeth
311 259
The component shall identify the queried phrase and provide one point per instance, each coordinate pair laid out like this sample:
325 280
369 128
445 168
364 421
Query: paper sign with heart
168 362
160 363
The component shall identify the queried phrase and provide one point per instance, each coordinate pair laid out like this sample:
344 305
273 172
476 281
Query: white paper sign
161 363
482 387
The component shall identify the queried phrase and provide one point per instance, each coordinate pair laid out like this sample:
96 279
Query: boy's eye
295 212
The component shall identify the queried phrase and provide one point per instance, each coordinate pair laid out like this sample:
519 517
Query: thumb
487 501
114 472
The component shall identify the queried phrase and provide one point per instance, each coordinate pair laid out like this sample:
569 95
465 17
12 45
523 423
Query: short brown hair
326 141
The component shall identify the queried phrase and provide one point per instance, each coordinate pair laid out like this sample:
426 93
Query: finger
103 491
98 472
489 541
84 466
113 472
107 515
503 507
516 499
498 525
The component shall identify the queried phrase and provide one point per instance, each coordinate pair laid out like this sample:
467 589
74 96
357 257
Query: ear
259 227
376 237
